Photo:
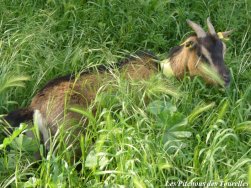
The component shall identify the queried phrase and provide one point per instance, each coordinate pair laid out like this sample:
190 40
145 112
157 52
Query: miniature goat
50 103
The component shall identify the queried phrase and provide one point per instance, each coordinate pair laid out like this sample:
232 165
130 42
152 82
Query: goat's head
205 48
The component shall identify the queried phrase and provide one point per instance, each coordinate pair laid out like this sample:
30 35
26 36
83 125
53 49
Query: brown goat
49 105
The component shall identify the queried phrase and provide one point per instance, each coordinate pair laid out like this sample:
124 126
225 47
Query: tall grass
193 133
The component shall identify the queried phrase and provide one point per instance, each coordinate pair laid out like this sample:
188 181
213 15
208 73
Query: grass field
186 132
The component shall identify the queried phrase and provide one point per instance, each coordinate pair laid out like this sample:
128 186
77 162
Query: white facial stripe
224 48
206 53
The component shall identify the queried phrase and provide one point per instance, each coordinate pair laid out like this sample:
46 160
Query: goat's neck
166 67
180 63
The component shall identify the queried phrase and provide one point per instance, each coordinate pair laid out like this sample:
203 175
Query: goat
49 105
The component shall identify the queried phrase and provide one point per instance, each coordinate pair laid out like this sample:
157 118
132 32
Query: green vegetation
194 133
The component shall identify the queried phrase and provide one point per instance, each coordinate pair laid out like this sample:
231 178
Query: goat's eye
190 44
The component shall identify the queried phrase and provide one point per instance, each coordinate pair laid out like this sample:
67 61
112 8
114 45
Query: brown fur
185 60
52 99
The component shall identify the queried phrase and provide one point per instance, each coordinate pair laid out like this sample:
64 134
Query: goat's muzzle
226 78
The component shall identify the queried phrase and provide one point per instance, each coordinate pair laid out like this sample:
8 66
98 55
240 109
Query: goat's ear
224 35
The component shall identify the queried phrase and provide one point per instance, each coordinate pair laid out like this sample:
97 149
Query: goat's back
52 101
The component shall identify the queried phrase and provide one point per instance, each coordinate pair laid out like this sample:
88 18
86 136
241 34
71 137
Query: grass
199 134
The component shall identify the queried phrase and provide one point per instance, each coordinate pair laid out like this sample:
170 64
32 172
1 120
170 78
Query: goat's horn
198 29
210 27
